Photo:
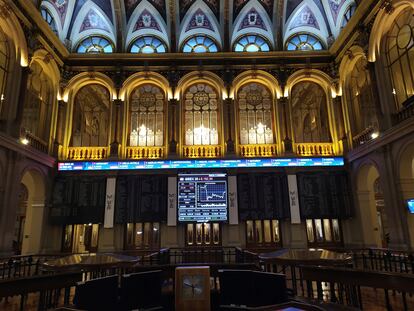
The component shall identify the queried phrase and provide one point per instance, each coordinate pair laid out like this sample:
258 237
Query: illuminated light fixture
374 135
24 141
394 92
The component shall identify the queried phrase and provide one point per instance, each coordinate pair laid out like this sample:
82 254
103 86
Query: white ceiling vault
174 22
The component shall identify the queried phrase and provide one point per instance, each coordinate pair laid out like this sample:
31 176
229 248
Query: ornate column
287 141
60 122
21 101
375 96
339 116
229 124
173 127
116 132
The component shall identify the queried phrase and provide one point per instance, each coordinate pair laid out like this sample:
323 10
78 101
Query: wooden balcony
249 151
314 149
87 153
144 152
202 151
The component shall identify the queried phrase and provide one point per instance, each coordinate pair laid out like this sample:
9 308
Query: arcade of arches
83 90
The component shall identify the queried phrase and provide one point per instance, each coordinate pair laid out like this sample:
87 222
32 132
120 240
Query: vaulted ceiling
121 22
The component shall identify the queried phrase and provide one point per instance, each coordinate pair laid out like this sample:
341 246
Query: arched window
95 45
251 43
90 123
4 62
49 19
310 120
200 44
254 102
400 54
37 109
146 110
304 42
360 99
348 14
148 45
201 115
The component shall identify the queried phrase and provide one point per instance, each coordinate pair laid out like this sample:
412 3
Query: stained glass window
348 14
255 114
49 19
400 53
304 42
201 110
148 45
251 43
147 116
200 44
95 45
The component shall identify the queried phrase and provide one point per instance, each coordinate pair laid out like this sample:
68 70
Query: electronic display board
201 164
202 197
410 205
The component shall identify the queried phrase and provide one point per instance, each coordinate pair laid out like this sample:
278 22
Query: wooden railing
314 149
87 153
202 151
363 137
257 150
144 152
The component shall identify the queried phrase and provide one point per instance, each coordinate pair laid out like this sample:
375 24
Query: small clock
192 288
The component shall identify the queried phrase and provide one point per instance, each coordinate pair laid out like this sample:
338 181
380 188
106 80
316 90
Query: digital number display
201 164
202 197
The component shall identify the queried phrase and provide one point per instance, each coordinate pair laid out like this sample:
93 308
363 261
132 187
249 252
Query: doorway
80 238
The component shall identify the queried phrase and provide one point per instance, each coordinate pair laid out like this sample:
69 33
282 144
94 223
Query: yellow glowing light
24 141
374 135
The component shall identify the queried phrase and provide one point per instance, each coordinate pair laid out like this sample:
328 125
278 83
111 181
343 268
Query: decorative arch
154 24
313 75
405 156
140 78
382 25
326 130
258 76
306 18
34 179
199 76
262 24
85 78
188 30
11 27
336 12
80 29
49 65
351 57
52 11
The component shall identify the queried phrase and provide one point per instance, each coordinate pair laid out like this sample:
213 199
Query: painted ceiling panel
321 18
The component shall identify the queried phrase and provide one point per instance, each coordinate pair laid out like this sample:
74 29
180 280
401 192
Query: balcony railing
406 112
314 149
87 153
363 137
257 150
33 141
202 151
144 152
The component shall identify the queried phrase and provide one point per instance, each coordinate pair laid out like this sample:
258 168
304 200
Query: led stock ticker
201 164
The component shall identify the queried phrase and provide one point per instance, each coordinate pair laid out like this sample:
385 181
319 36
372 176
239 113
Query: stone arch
35 182
366 175
382 24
